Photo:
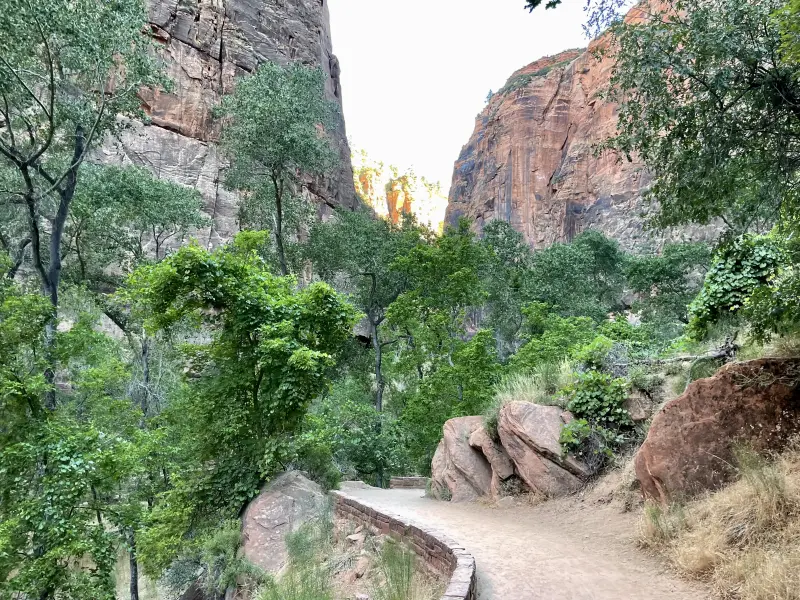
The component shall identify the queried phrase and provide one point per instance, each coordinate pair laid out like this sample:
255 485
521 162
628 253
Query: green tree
62 470
582 278
666 283
506 270
68 71
710 106
272 136
358 253
262 352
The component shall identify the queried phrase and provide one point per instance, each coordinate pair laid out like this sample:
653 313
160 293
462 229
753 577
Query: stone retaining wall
417 483
435 549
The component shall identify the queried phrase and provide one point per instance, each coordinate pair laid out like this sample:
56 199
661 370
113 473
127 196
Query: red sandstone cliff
207 44
530 160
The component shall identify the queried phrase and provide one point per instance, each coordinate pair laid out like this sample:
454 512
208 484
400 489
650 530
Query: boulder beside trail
283 505
458 470
530 435
502 467
691 442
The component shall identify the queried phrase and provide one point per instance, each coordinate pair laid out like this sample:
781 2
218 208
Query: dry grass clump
745 538
539 386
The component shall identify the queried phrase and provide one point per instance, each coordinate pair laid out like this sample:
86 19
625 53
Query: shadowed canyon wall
207 44
530 160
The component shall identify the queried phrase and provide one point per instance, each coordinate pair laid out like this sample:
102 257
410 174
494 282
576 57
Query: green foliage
459 388
551 338
680 77
666 283
215 564
590 276
267 353
738 269
599 398
364 444
646 381
271 134
123 216
594 355
504 274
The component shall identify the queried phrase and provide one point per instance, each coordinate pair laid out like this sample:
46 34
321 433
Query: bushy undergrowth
745 538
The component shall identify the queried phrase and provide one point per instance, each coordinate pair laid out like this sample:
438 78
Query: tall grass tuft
398 567
538 386
308 574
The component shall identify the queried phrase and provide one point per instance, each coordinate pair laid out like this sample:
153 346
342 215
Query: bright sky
415 73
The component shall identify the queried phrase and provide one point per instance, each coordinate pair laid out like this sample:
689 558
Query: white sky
415 73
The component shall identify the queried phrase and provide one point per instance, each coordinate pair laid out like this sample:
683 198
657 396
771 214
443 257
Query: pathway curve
559 550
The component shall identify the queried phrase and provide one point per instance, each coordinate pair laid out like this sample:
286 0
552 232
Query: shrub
593 445
594 355
599 398
308 575
645 381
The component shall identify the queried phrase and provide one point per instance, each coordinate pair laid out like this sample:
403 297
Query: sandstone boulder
530 435
283 505
689 447
498 458
458 470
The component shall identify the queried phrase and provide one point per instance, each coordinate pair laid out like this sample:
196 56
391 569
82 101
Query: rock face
530 161
458 470
282 506
530 434
689 447
502 467
207 44
390 193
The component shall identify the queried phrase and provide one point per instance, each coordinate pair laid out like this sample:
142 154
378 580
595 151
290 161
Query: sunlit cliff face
391 193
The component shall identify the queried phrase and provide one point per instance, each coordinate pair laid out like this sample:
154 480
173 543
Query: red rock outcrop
283 506
690 445
458 470
207 44
530 160
530 435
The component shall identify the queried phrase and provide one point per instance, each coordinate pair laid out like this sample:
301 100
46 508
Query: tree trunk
134 567
145 400
279 228
379 382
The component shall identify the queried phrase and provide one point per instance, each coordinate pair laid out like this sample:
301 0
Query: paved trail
559 550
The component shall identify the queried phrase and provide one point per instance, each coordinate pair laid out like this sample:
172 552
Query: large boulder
530 435
689 447
458 470
283 505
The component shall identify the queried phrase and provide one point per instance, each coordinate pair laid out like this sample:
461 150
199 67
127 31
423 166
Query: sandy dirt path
559 550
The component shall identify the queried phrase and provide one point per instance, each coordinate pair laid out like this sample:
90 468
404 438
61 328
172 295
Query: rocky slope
530 159
207 44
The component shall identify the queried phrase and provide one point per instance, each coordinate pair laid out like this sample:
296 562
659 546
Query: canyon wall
530 160
207 44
